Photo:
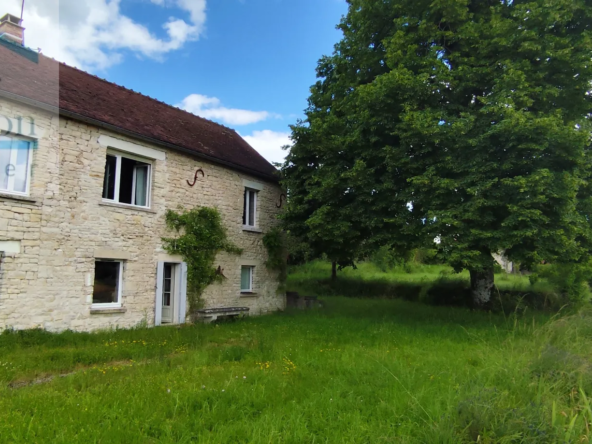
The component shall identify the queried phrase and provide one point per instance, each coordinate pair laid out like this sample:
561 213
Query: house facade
88 170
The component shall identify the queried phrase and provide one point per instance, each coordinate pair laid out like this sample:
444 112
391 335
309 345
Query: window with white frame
108 280
15 165
250 208
247 272
127 180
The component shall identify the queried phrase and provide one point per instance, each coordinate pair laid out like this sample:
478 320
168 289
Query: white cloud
196 8
211 108
269 144
94 34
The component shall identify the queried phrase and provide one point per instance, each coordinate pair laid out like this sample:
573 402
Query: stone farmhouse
87 171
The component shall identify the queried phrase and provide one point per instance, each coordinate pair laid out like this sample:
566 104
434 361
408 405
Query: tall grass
356 371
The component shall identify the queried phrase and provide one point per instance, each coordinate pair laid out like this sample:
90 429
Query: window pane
14 164
5 144
168 280
129 169
106 287
245 207
251 208
141 197
246 278
109 180
126 180
21 169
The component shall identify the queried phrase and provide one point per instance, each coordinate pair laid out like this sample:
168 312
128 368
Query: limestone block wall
64 223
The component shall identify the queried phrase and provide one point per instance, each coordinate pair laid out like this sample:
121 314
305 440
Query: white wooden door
182 293
171 293
169 286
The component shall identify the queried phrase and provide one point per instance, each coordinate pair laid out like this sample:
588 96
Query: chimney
11 29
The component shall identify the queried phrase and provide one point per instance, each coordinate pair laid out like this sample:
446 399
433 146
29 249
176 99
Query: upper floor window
250 208
15 165
127 180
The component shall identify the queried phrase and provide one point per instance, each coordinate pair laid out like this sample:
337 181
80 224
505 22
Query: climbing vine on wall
277 255
201 237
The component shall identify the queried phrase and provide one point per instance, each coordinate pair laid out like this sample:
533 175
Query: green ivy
277 254
201 237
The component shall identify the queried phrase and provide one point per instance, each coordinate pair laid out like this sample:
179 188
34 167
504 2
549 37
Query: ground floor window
247 272
107 288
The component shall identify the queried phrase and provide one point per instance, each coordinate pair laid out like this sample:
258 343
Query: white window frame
119 286
247 201
13 154
118 155
252 274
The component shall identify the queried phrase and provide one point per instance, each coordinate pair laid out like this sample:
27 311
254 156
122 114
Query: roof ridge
139 93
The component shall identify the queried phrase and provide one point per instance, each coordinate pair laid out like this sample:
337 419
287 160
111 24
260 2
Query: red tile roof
89 98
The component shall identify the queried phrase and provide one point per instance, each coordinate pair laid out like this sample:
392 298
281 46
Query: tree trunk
481 286
333 271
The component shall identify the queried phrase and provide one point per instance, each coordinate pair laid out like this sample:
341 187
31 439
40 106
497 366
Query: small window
247 279
15 165
127 180
107 288
250 208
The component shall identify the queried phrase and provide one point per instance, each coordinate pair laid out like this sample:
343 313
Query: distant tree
317 212
464 121
326 200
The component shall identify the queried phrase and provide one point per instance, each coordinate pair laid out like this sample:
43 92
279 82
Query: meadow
430 284
357 370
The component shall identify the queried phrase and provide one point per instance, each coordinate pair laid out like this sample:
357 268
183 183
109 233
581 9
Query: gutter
75 116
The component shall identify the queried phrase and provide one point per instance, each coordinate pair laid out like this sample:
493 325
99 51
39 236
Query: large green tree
464 121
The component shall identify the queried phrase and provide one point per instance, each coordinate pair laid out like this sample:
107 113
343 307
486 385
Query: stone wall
64 223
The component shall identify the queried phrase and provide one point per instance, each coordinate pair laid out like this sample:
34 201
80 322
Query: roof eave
123 131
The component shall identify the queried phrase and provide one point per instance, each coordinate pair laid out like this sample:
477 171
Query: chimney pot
11 29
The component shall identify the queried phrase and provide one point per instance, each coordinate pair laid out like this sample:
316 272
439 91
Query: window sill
17 197
129 207
252 229
113 310
247 294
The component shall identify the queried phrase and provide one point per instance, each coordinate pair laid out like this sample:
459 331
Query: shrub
427 256
385 258
570 279
299 252
533 278
277 254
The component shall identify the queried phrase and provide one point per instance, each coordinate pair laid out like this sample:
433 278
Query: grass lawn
356 371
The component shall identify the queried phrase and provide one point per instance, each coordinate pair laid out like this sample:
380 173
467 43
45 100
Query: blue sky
247 64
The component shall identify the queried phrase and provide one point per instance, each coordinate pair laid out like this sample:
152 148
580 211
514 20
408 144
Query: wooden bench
208 315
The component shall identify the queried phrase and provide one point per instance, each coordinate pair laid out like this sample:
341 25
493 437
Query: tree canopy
465 121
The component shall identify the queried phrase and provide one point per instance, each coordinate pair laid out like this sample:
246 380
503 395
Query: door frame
180 306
